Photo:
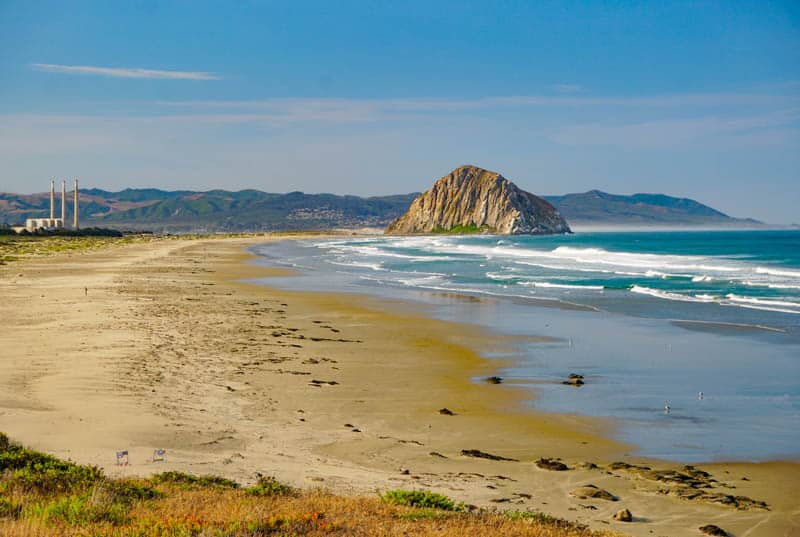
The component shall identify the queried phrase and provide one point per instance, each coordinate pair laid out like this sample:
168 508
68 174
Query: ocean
689 341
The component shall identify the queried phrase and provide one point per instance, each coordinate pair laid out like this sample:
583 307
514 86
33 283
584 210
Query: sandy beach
169 345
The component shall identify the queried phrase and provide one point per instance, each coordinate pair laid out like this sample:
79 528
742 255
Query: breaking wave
510 266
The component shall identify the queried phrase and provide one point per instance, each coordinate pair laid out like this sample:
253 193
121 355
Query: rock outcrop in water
472 200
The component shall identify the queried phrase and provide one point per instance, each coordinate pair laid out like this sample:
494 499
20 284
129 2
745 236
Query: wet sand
166 345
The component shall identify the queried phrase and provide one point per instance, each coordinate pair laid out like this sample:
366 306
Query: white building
49 224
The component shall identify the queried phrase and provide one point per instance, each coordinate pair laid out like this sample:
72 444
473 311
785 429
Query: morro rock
474 200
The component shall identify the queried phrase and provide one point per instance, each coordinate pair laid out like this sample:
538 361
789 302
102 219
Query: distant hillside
596 207
215 210
253 210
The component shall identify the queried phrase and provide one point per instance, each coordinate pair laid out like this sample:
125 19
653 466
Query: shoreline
183 375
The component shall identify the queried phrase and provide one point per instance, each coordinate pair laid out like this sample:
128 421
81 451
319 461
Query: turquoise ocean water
650 318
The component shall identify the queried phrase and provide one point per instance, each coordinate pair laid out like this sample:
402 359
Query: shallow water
662 317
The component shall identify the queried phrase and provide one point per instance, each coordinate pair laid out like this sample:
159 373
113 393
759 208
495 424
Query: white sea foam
761 301
516 264
420 281
665 294
380 252
654 264
572 268
730 300
562 285
762 308
501 277
771 285
373 266
705 297
779 272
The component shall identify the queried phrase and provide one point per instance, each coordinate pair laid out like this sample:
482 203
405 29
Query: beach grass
15 247
18 247
41 495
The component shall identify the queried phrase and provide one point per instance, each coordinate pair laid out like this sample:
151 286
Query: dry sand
165 345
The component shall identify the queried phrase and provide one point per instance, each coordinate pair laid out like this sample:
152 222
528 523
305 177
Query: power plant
53 223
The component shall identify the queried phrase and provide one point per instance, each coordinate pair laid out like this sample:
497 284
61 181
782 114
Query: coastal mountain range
254 210
601 208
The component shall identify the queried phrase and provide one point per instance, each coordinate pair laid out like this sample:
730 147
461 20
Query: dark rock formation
574 380
470 200
551 464
483 455
711 529
690 483
591 491
623 515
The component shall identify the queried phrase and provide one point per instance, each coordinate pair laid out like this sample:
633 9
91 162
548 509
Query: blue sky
697 99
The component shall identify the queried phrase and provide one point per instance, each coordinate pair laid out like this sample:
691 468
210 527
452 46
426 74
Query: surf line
728 324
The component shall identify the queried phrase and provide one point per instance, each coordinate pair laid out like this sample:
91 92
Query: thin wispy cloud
345 109
123 72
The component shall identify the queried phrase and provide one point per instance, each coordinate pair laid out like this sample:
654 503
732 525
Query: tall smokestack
52 199
75 216
64 202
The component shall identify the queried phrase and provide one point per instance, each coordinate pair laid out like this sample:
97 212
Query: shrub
269 486
45 473
128 491
543 519
192 481
420 498
5 443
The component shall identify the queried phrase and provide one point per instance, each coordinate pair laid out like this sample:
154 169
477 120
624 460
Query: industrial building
51 224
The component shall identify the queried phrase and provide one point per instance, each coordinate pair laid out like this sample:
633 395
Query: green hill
596 207
253 210
214 210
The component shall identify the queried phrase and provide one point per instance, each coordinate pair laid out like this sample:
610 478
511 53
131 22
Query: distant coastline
187 211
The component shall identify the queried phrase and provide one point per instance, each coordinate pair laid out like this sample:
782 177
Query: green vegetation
269 486
463 230
425 514
216 210
540 518
188 481
31 470
421 498
48 497
41 487
16 247
597 206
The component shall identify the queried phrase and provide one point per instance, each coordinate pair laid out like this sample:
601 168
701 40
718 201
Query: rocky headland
473 200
